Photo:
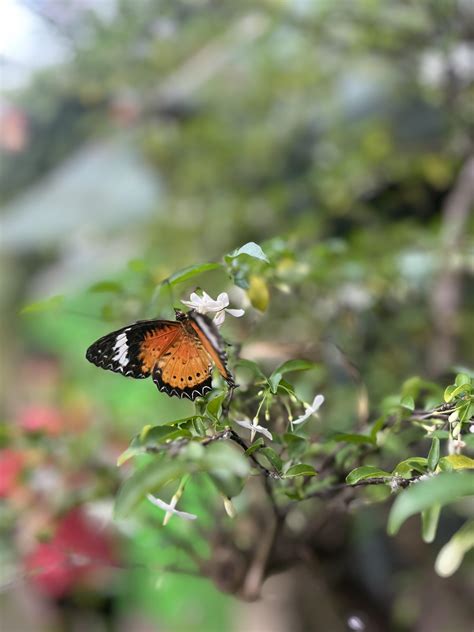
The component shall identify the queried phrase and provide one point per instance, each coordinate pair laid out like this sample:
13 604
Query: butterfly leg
228 400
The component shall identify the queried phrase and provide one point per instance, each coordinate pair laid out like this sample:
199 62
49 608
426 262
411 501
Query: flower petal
317 402
219 318
254 428
310 410
303 417
235 312
170 507
264 431
223 299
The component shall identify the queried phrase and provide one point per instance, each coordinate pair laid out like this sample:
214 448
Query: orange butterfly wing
185 370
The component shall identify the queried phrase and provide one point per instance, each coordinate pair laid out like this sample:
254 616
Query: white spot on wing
121 348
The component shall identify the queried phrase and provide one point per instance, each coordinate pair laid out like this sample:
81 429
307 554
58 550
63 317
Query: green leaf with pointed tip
190 272
433 456
272 458
302 469
43 306
286 367
364 472
443 489
462 379
251 249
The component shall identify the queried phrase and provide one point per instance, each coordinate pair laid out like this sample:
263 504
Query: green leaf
190 272
256 445
415 463
377 427
442 489
451 555
433 456
227 483
429 523
272 458
214 405
302 469
286 367
453 391
251 249
152 437
366 471
440 434
462 379
457 462
106 286
42 306
466 411
408 402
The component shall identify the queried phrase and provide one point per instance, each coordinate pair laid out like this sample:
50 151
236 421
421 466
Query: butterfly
178 354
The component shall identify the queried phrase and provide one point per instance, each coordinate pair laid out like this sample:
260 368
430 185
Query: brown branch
397 481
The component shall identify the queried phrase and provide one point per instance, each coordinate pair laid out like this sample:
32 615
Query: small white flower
206 305
471 428
455 446
170 508
254 427
310 410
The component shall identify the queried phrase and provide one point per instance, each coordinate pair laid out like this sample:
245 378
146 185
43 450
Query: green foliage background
333 134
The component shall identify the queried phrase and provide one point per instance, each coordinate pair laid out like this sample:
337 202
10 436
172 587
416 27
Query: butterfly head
179 314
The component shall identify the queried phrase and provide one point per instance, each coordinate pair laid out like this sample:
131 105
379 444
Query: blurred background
142 136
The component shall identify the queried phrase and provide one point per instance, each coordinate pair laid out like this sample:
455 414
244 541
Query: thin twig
398 481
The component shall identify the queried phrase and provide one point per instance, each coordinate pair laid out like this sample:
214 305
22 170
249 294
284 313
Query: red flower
42 419
71 558
11 464
50 569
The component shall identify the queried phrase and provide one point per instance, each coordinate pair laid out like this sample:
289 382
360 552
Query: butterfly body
179 355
